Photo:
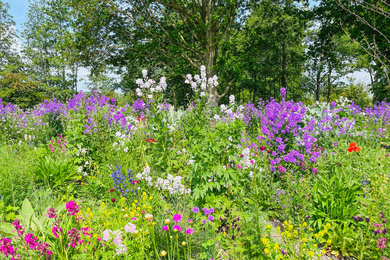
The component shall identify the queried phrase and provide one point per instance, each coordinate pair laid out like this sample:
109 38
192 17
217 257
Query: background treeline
255 48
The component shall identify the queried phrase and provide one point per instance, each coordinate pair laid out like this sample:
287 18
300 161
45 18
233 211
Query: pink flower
177 218
177 228
190 231
190 221
72 208
240 166
165 228
131 228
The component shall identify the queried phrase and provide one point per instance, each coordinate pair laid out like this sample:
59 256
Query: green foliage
55 173
335 200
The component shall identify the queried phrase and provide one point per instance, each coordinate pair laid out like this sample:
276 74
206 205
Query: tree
170 32
50 48
366 23
8 54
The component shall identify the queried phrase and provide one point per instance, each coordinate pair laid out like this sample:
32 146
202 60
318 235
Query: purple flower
51 213
210 218
195 209
204 221
239 166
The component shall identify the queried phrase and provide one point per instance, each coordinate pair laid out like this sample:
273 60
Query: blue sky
18 9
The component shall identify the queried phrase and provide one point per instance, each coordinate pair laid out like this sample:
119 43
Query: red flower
113 199
353 147
262 148
242 155
268 151
111 190
147 140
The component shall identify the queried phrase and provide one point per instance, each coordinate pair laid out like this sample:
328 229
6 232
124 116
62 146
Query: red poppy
353 147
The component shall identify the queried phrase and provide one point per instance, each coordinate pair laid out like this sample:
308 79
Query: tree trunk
329 82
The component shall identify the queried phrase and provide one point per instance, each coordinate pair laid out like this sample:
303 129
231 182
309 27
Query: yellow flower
315 245
329 241
304 240
136 201
94 235
153 223
183 243
290 227
295 233
151 197
144 206
310 229
167 221
304 224
323 251
138 209
315 235
266 251
268 226
149 208
276 247
163 253
310 253
278 228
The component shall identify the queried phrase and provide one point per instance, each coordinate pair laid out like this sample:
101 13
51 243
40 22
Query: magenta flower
177 227
51 213
381 243
195 209
210 218
177 218
165 228
190 221
240 166
72 208
190 231
204 221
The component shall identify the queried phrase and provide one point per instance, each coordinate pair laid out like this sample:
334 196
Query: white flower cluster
201 81
171 184
120 143
81 151
148 86
246 160
145 175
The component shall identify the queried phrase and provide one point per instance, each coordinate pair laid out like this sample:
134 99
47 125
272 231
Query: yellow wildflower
266 251
163 253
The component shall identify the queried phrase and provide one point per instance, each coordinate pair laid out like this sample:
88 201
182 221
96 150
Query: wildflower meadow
93 178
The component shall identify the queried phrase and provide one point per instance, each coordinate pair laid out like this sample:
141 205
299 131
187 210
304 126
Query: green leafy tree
168 32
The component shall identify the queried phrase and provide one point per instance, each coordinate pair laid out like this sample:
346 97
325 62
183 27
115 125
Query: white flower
126 149
122 249
87 162
223 107
144 73
130 228
107 234
80 169
150 96
203 68
231 99
202 94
